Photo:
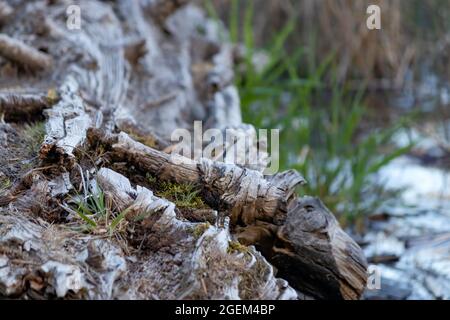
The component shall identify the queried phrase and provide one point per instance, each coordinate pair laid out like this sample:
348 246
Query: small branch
67 123
23 54
17 106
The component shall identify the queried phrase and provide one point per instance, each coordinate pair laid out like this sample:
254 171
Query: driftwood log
133 73
300 236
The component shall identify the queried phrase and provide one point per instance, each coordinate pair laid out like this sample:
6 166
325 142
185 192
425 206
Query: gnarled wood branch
66 125
245 192
17 106
298 235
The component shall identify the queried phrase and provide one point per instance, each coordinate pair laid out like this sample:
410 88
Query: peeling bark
244 192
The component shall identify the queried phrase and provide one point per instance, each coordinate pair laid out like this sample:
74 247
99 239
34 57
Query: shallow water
411 243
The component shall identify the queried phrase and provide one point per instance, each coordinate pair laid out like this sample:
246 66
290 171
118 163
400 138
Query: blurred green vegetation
322 128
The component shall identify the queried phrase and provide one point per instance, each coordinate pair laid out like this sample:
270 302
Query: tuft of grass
183 195
93 209
34 136
236 246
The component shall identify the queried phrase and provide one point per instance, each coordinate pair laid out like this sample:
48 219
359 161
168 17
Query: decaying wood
311 239
312 243
23 54
209 252
39 261
244 192
67 123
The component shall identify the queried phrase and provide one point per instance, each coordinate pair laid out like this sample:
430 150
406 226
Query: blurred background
364 116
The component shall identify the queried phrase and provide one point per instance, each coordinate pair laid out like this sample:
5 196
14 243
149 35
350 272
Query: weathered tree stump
133 73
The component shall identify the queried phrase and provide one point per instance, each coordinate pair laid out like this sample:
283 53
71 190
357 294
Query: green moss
200 229
148 140
236 246
53 96
184 195
151 179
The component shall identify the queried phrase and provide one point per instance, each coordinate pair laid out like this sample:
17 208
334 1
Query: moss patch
200 229
183 195
236 246
148 140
